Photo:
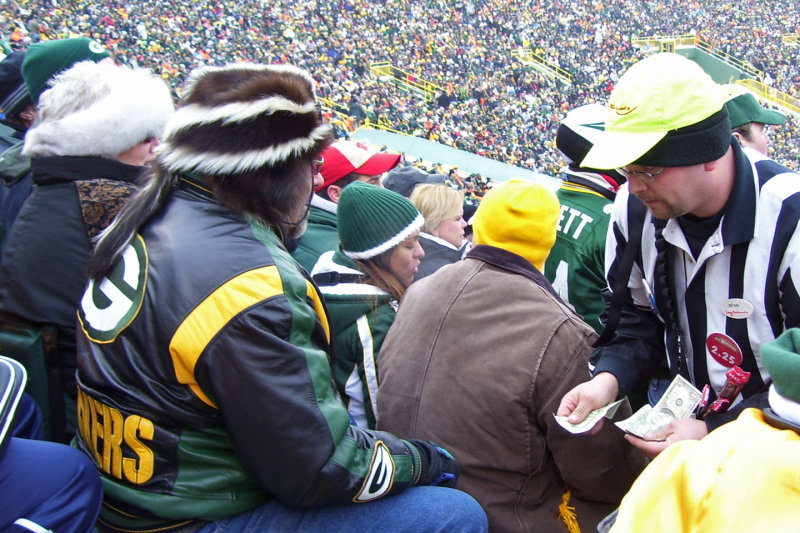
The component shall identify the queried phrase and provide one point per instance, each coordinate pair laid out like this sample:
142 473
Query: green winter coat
361 315
321 234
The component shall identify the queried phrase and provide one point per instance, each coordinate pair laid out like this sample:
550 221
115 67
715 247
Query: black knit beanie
705 141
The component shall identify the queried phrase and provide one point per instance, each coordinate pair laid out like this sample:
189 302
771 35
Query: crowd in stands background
491 104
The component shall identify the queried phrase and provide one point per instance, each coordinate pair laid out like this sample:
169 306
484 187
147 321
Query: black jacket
42 274
436 256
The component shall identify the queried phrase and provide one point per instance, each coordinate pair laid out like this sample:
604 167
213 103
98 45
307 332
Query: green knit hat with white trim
781 358
372 220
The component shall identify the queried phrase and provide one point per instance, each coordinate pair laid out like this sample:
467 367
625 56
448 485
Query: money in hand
590 420
679 401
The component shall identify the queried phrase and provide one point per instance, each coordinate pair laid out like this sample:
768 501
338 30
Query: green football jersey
575 266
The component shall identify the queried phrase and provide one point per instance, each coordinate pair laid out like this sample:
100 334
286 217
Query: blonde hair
437 203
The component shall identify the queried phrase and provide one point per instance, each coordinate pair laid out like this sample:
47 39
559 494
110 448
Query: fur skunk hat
99 109
241 118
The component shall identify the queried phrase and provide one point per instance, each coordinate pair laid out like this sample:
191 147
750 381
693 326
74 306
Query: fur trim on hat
241 117
99 109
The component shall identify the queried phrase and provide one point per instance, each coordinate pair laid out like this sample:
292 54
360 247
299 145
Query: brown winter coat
477 359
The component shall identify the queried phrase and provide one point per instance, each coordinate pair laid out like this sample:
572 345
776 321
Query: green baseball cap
45 60
743 108
655 97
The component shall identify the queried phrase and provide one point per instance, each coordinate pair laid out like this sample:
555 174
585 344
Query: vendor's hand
586 397
657 441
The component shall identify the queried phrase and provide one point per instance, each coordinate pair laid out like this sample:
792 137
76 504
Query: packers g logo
380 477
108 306
96 48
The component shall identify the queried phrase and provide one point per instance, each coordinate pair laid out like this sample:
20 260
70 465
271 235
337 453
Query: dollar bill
591 419
679 401
643 421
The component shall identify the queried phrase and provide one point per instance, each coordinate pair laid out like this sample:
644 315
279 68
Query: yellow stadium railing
772 95
655 41
731 60
329 104
383 124
342 115
337 109
667 43
406 80
529 57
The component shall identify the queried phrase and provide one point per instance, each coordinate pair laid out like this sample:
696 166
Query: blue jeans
28 423
656 389
415 510
48 485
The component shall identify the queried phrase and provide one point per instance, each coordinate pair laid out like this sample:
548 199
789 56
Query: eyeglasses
648 177
316 166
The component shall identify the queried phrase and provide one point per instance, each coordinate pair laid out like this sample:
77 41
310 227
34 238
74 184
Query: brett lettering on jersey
572 221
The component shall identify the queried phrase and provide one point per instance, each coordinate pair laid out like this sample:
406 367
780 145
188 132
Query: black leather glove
438 467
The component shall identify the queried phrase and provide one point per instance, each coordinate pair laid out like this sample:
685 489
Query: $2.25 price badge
724 350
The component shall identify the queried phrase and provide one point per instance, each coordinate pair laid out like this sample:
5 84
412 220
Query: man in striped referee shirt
713 276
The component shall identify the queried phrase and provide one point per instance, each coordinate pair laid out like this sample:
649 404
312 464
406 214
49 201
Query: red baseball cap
345 157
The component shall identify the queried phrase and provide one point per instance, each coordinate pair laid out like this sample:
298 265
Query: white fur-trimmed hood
99 109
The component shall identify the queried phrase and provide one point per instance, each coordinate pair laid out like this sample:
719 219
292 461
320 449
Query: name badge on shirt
737 308
724 350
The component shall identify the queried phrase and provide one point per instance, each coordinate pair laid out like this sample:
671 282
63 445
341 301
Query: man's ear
710 165
334 193
738 136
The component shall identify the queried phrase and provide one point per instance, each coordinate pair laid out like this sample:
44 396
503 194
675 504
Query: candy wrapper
736 379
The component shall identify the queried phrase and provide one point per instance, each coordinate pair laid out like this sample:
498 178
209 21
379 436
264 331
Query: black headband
708 140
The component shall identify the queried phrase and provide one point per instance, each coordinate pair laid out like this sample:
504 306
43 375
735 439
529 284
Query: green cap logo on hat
659 94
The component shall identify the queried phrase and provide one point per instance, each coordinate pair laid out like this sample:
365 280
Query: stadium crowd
213 400
491 104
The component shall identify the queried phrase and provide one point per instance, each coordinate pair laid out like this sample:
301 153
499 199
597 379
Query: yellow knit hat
518 216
